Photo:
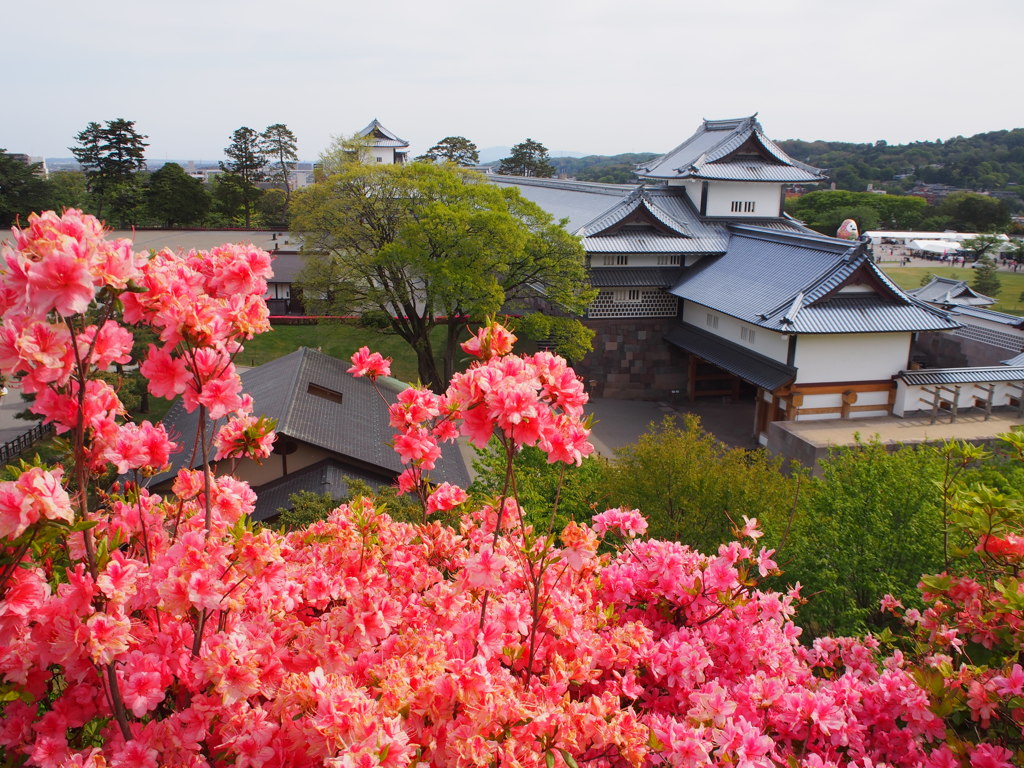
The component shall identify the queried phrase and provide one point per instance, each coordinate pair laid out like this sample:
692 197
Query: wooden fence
12 449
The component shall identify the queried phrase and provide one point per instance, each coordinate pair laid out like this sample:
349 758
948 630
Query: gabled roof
729 150
302 391
794 282
382 137
947 291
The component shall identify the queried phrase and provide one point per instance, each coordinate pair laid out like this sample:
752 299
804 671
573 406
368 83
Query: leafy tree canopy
423 245
22 190
174 198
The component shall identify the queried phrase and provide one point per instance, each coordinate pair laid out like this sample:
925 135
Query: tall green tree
174 198
22 189
422 245
281 146
453 149
111 156
245 167
986 278
529 158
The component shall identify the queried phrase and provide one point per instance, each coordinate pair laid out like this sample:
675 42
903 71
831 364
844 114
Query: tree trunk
427 366
451 348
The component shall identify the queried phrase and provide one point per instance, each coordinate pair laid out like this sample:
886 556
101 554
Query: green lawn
1008 299
338 340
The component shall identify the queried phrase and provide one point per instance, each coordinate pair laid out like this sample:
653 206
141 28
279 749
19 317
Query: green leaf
549 759
569 759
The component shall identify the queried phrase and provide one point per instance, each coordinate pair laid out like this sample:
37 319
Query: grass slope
1008 299
339 340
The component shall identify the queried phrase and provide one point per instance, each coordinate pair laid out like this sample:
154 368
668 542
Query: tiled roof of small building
292 389
945 290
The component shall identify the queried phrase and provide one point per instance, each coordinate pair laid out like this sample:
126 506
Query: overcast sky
593 76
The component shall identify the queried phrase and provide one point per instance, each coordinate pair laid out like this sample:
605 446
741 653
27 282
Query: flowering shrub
141 629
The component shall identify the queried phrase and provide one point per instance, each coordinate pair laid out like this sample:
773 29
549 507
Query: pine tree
529 158
245 167
280 145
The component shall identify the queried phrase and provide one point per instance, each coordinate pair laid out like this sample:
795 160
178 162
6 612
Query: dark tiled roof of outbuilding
290 389
945 290
327 476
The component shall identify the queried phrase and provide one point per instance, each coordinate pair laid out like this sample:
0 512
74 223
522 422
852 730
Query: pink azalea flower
372 365
484 570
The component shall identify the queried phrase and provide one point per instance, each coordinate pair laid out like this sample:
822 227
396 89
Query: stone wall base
632 361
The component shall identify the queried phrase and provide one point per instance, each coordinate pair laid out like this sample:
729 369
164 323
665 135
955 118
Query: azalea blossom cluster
534 400
144 629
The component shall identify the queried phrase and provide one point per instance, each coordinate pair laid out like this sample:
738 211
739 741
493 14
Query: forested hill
613 169
992 162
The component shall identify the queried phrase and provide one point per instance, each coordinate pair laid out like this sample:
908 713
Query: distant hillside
990 162
613 169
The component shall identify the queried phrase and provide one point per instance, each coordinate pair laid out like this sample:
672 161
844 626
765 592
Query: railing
12 449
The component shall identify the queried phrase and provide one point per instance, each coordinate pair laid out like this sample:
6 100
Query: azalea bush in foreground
139 629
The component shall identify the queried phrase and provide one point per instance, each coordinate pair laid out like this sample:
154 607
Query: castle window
743 206
622 260
609 260
668 260
712 320
627 296
747 334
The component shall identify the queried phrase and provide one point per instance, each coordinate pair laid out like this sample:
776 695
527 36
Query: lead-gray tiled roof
327 476
390 138
748 365
990 375
633 277
980 313
356 429
706 155
945 290
789 282
579 202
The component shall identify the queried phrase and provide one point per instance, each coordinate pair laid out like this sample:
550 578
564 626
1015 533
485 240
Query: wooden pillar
691 378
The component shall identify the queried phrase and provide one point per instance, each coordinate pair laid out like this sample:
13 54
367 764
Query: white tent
940 247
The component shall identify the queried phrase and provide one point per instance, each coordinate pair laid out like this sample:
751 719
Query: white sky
594 76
